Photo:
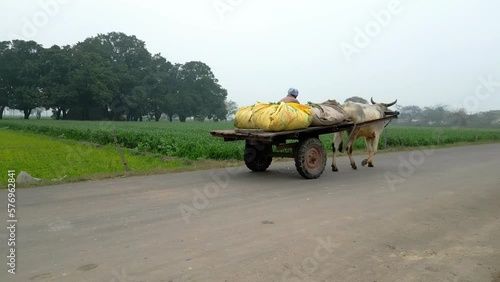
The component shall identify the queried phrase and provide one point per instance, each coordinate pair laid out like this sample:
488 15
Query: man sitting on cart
291 97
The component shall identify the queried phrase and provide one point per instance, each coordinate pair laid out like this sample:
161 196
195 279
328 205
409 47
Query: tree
158 83
212 98
410 113
172 101
129 59
201 92
136 103
492 117
457 118
484 119
56 67
357 99
92 82
25 83
5 76
231 108
434 115
187 102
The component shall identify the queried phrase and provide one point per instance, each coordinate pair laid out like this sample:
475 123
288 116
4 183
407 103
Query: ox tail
341 146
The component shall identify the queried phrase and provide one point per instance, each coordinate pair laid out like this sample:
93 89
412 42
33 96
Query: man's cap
294 92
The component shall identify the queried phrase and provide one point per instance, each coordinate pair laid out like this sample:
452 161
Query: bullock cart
303 145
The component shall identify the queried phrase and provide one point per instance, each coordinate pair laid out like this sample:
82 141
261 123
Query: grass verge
57 161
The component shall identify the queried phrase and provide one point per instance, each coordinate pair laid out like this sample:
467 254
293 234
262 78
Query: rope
387 123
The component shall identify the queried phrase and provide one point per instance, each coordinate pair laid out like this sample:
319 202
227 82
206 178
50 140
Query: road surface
417 216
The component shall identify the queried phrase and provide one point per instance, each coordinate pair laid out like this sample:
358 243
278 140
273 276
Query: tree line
109 76
441 115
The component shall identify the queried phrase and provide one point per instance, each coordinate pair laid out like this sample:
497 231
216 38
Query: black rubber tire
258 157
310 158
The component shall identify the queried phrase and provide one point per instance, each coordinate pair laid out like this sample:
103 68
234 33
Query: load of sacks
288 116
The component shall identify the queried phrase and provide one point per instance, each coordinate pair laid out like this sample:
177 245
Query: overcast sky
420 52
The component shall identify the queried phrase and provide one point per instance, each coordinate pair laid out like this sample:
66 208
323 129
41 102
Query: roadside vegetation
55 159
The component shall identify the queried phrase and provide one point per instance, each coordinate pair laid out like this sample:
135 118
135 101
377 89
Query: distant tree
232 108
410 113
484 119
457 118
492 117
92 82
435 115
5 76
199 93
25 83
171 101
159 83
188 104
219 113
137 103
56 67
357 99
129 60
480 119
27 98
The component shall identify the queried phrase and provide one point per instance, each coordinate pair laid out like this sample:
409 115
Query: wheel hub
313 159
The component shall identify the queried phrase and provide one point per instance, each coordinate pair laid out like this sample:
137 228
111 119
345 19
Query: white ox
358 112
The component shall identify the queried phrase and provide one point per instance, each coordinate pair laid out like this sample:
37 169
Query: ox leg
351 159
374 150
336 146
350 143
369 148
372 144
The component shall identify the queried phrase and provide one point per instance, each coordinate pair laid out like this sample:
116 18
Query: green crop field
186 140
50 149
192 140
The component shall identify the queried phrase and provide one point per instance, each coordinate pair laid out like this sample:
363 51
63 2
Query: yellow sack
274 117
243 118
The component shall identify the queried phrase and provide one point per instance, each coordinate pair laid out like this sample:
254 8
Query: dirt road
416 216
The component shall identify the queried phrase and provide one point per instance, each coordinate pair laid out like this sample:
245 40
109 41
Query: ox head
385 107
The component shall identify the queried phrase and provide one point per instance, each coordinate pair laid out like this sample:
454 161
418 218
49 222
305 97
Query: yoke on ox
358 112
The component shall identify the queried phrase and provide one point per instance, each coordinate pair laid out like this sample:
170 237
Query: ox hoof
334 168
370 165
354 167
364 162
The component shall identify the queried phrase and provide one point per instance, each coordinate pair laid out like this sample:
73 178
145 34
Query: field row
192 139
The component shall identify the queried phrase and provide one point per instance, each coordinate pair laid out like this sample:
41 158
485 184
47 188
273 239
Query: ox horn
391 104
373 102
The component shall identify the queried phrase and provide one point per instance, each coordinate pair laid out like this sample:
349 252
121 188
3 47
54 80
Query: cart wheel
258 157
310 158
